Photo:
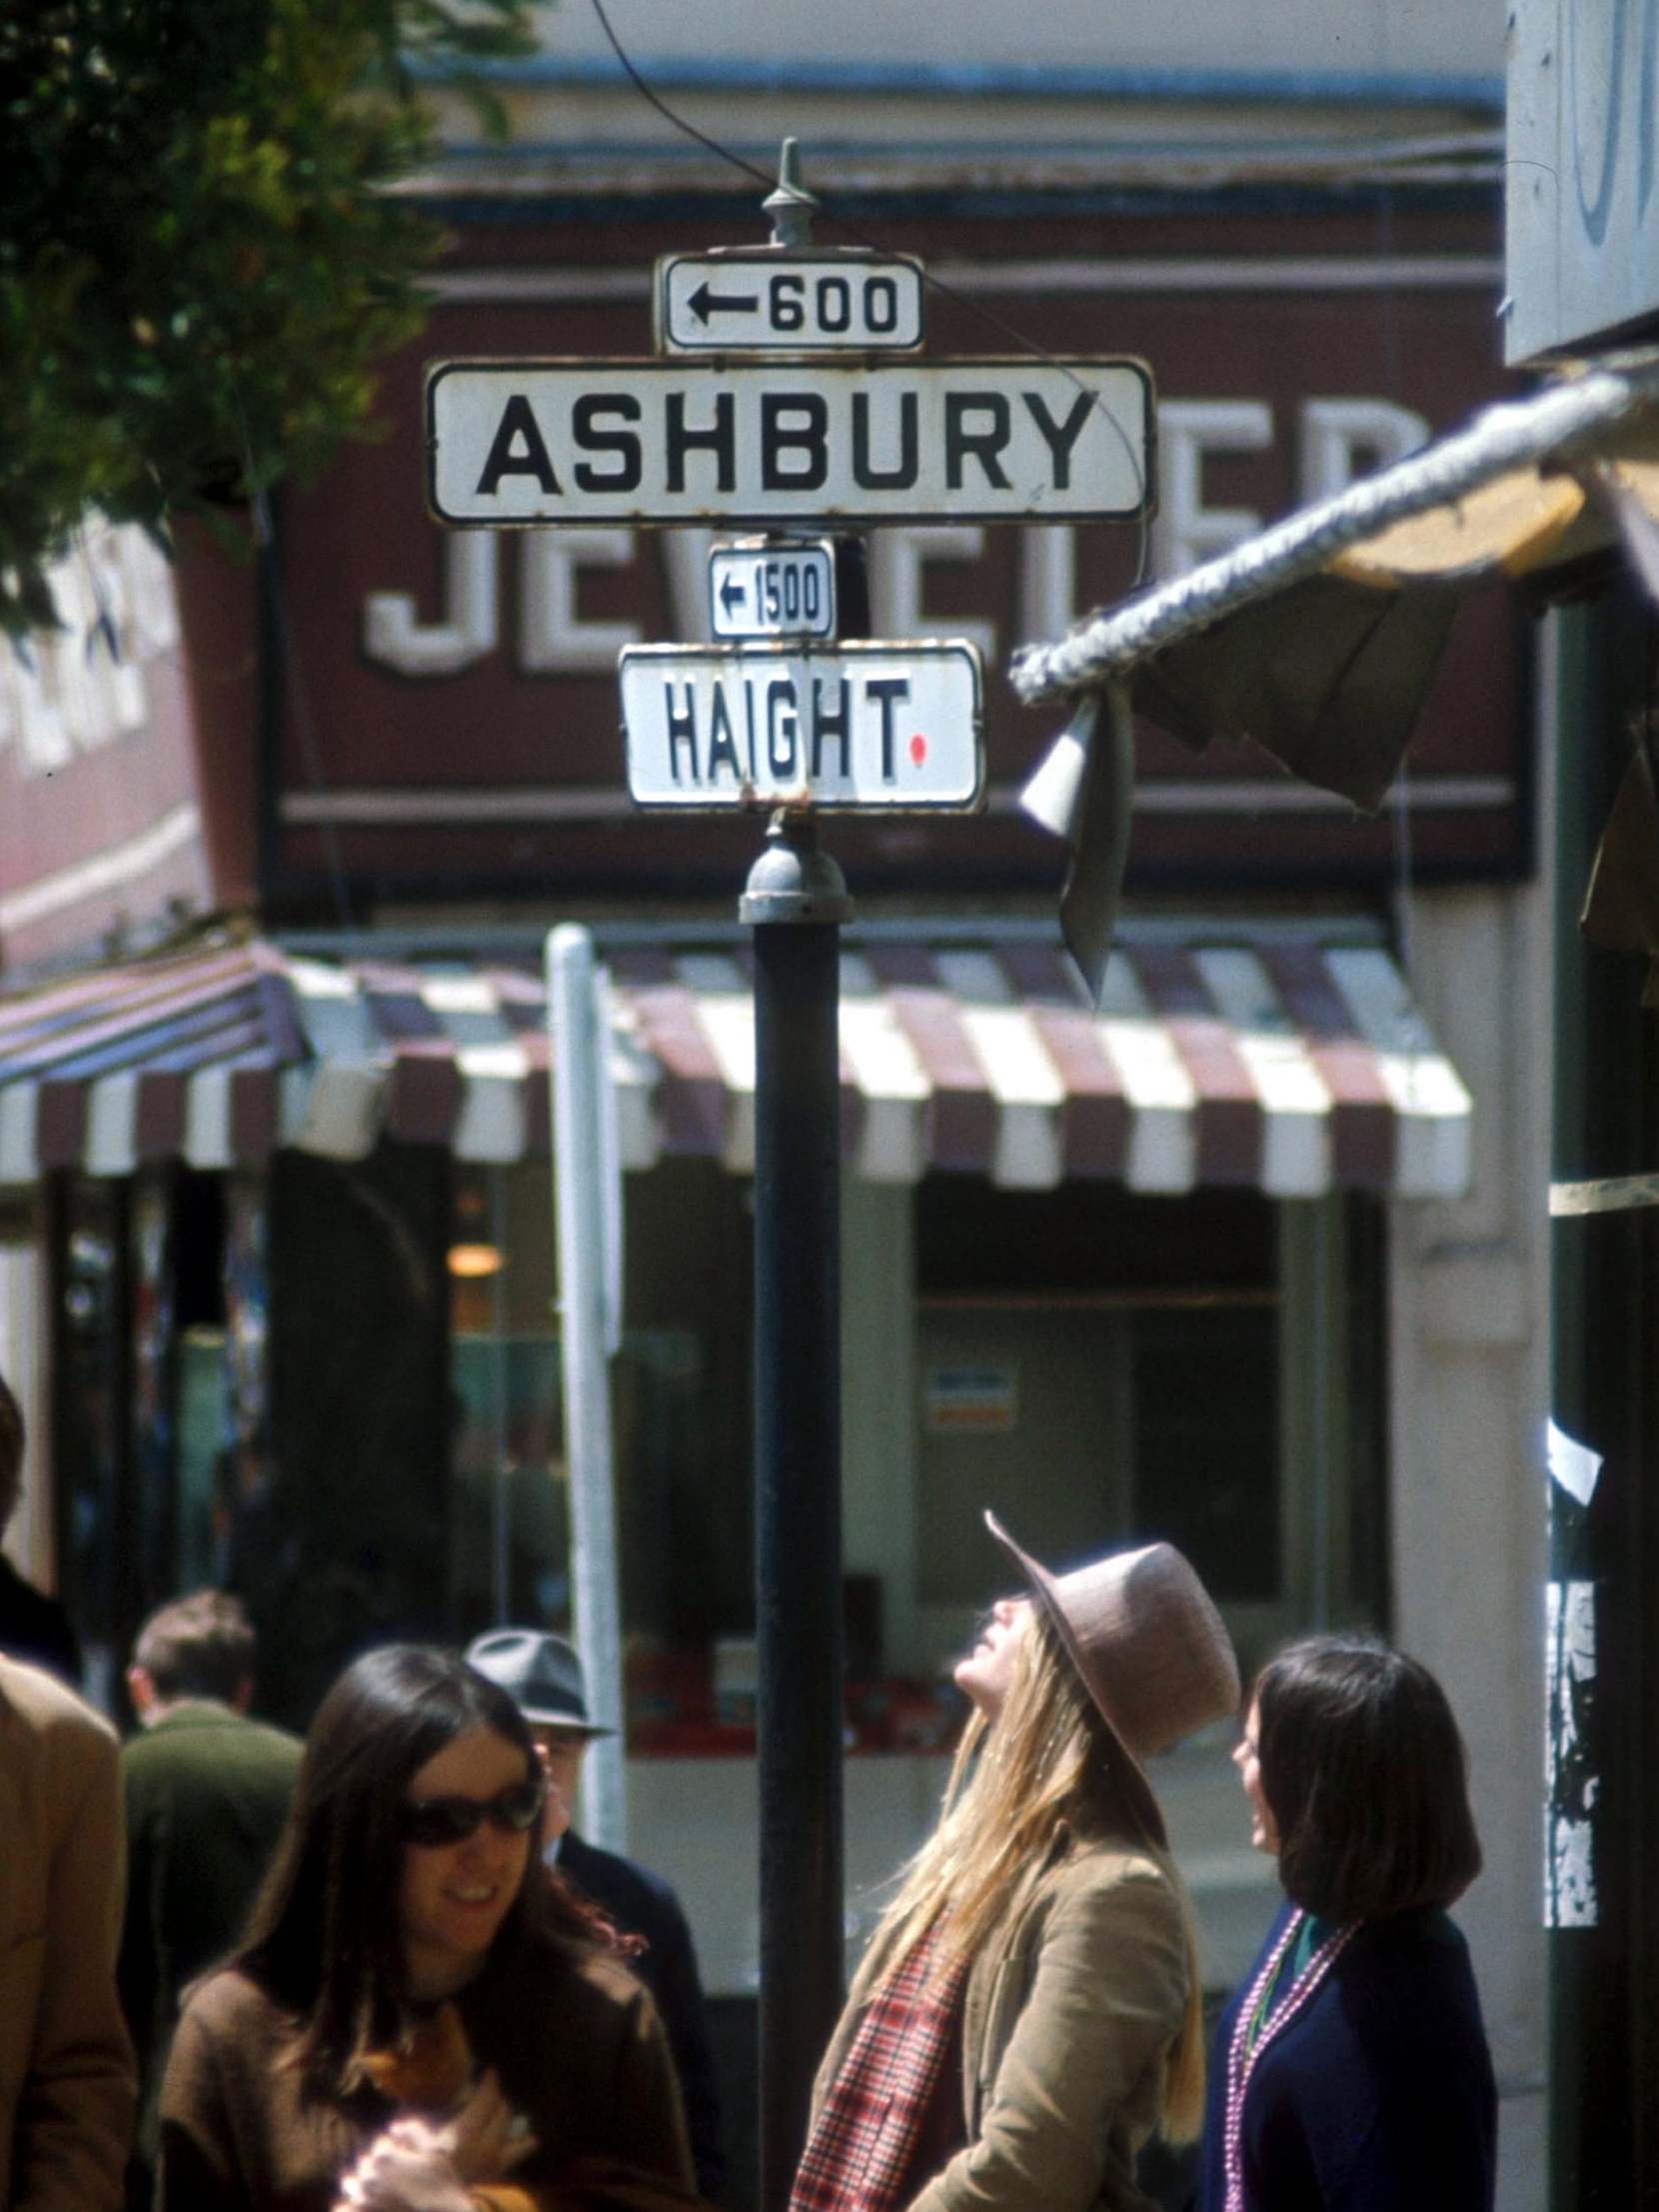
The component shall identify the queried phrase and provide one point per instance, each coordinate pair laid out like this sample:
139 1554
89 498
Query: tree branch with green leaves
201 264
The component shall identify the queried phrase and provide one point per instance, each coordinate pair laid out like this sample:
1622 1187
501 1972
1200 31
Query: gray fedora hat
1145 1639
540 1673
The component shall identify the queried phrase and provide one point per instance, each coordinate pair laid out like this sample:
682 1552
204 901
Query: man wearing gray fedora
543 1675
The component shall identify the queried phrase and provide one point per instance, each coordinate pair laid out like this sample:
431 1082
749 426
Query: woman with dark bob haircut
421 2016
1351 2073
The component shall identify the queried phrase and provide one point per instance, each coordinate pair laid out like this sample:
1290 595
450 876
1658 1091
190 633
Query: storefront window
204 1399
30 1537
1100 1367
339 1530
1205 1439
224 1457
152 1265
147 1398
92 1397
509 1499
508 1527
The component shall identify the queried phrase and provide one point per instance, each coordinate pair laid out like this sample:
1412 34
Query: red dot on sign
919 748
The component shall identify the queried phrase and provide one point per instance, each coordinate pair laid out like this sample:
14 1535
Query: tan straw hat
1144 1636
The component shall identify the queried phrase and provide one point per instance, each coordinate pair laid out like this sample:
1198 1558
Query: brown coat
574 2039
1071 2009
68 2086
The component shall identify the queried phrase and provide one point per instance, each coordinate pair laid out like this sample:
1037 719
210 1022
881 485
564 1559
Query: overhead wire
827 213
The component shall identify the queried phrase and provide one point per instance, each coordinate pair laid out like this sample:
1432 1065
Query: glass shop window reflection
92 1411
509 1503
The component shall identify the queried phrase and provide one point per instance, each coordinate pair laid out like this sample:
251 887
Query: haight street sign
761 442
759 299
862 726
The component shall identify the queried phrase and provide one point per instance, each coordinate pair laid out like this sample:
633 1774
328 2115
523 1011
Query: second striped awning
1275 1060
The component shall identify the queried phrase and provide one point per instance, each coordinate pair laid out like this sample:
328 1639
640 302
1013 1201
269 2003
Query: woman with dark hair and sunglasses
1351 2073
421 2016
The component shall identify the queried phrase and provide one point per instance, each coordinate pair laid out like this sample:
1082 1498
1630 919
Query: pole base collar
794 881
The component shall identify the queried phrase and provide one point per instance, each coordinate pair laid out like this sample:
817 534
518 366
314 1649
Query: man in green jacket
207 1791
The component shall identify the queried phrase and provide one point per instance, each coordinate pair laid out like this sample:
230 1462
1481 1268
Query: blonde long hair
1049 1758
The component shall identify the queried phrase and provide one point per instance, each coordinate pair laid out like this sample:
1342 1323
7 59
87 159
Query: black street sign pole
795 902
1601 1902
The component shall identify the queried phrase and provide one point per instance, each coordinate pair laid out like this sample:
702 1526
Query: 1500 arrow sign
770 589
538 442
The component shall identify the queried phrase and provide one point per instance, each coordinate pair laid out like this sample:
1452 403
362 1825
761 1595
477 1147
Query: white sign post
587 1210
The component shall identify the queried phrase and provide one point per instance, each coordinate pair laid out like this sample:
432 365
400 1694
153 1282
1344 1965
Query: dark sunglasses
435 1820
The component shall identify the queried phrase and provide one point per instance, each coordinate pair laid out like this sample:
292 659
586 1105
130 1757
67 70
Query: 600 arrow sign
760 301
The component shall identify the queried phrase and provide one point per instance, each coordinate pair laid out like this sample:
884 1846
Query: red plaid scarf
859 2150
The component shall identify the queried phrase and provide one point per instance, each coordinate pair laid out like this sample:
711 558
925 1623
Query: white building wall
1003 88
1469 1390
1341 37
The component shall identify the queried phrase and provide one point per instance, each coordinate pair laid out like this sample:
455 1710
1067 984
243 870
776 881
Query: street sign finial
792 207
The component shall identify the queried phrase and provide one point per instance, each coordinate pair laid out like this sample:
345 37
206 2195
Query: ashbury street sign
758 442
860 725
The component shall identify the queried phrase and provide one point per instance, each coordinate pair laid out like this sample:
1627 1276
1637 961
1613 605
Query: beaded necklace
1243 2052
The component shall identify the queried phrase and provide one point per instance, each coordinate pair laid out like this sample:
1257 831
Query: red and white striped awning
1270 1060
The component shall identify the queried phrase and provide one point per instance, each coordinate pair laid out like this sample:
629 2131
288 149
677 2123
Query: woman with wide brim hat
1028 2011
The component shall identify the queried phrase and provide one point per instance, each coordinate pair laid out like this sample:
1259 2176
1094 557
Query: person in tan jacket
1029 2012
68 2084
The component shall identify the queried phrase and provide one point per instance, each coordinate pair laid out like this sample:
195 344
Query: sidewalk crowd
381 1969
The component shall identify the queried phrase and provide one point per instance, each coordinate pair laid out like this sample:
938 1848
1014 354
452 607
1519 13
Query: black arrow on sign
703 303
731 593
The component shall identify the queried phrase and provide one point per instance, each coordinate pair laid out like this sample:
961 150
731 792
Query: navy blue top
641 1903
1378 2095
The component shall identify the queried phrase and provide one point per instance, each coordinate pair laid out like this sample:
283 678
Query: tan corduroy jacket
1070 2008
67 2080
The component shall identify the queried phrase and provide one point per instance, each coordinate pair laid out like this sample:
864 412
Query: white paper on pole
1572 1787
1574 1465
1054 796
